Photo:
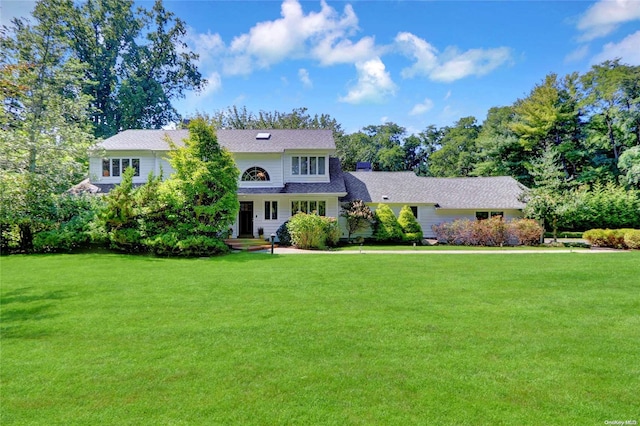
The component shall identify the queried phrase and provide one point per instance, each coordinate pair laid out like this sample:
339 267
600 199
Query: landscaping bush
632 239
613 238
284 238
387 228
488 232
410 227
527 232
310 231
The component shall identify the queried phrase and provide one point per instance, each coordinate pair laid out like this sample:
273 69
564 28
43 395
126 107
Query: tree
545 202
457 154
358 216
409 224
200 201
44 132
387 227
611 97
136 62
499 150
629 164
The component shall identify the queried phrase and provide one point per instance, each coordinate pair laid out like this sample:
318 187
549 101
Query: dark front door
246 219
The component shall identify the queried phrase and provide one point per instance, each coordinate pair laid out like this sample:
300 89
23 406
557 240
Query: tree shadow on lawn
20 309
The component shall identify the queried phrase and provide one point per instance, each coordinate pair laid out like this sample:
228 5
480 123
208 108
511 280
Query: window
270 210
318 207
308 165
116 166
414 210
487 215
295 165
255 174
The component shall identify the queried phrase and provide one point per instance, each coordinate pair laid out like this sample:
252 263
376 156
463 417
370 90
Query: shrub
632 238
284 237
310 231
527 232
387 226
410 227
358 216
613 238
332 229
489 232
595 236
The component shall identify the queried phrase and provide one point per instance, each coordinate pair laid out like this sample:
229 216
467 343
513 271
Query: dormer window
308 165
255 174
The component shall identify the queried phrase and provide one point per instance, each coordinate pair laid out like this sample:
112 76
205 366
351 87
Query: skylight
263 135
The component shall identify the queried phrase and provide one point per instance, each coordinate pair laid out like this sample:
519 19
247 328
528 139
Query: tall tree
136 61
612 98
44 132
545 200
458 151
499 150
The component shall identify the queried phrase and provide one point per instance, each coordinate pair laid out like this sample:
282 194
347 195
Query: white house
286 171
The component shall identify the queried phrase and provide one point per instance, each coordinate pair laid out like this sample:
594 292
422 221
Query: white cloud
208 46
330 52
628 50
214 83
456 65
450 65
424 54
303 75
374 83
448 95
421 108
605 16
320 35
578 54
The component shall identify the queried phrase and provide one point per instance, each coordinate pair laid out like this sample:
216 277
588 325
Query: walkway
290 250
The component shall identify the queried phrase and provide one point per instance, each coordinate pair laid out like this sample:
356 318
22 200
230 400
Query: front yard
315 339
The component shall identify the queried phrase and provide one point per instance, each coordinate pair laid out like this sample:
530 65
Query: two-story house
283 172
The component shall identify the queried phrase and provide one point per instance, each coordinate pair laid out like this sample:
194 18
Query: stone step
248 244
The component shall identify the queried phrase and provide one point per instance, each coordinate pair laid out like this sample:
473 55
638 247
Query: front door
245 222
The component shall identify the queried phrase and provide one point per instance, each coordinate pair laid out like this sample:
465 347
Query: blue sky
414 63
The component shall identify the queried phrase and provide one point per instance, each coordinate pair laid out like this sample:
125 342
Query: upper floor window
255 174
308 165
116 166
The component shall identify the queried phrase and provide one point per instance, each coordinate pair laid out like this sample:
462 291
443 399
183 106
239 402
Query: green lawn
315 339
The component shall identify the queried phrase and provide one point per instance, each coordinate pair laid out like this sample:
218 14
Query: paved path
289 250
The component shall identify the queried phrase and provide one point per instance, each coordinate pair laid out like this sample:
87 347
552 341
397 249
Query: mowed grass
316 339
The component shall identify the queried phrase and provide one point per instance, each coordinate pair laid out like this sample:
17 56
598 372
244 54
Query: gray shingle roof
336 184
451 193
234 140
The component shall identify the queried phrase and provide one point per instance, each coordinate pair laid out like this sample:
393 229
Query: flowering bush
489 232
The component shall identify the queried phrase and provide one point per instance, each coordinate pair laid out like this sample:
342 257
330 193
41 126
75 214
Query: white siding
272 163
428 216
147 164
284 210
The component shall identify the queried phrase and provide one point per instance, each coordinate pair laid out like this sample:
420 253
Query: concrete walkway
290 250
